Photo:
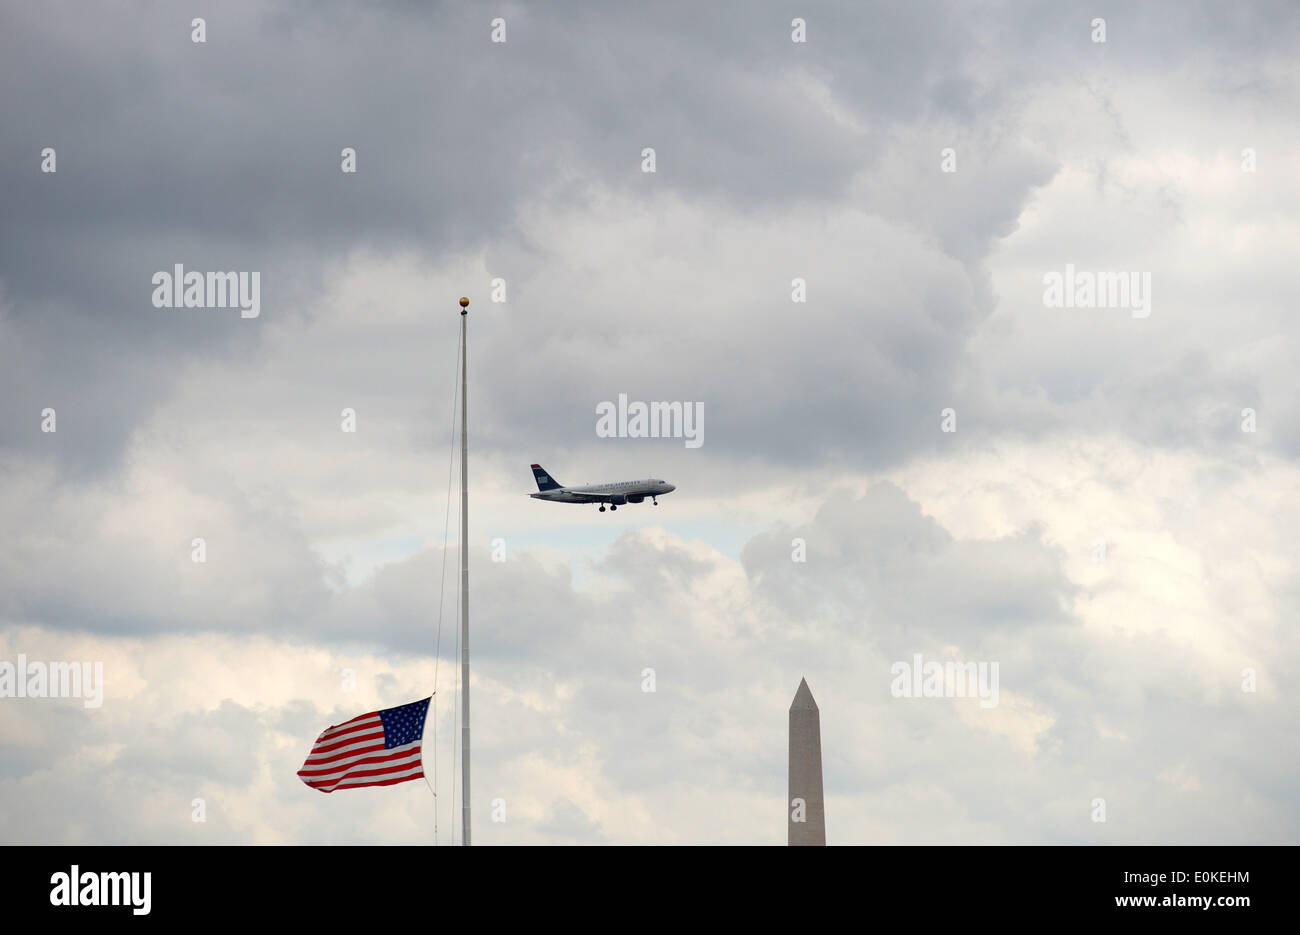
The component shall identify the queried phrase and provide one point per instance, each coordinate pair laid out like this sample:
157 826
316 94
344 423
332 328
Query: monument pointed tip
803 698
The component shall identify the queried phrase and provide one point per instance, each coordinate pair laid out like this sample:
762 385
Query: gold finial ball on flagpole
464 302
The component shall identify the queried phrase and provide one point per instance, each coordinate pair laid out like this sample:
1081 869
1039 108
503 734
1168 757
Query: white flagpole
464 582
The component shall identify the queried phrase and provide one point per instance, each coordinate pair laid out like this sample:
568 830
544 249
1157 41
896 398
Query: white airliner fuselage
616 494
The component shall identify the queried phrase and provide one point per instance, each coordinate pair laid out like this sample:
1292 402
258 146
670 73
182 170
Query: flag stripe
334 752
356 723
377 755
366 720
363 770
375 730
359 730
409 766
417 773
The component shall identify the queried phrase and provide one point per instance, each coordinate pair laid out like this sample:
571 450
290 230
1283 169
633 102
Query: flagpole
464 582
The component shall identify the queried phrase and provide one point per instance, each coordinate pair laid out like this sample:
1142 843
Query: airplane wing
618 499
591 498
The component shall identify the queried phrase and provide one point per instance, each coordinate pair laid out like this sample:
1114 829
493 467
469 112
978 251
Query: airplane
630 491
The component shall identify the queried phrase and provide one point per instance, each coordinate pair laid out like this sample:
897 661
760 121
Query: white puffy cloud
1119 679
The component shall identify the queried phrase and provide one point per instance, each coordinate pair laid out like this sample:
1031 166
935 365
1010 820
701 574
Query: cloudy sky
1106 523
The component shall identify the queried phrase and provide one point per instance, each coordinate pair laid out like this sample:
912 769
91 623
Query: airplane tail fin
544 480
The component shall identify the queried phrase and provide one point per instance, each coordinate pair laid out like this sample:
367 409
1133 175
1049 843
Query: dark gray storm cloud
225 155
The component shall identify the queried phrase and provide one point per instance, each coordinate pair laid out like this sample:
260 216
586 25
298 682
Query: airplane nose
669 488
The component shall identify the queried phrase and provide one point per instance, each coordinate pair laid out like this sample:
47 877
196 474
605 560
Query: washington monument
805 811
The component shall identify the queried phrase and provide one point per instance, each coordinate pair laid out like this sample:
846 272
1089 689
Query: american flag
376 749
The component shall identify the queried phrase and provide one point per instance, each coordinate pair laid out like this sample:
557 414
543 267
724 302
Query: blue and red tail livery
544 480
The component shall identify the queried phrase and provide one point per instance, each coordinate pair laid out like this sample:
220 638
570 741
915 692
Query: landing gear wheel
602 509
612 508
654 501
